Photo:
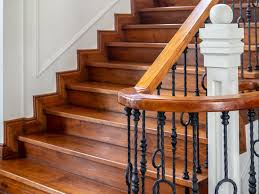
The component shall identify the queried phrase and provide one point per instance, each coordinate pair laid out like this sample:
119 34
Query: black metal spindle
194 123
249 16
225 122
128 174
143 161
197 90
161 124
185 123
206 93
135 178
241 20
157 167
252 173
255 5
174 133
197 93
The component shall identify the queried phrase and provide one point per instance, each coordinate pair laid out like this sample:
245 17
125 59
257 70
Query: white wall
1 70
41 38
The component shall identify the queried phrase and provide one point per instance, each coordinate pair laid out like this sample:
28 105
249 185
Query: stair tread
181 8
151 26
102 87
120 65
155 45
51 180
169 8
98 152
169 26
114 119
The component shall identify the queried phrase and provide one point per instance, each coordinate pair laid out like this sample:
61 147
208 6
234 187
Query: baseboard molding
7 153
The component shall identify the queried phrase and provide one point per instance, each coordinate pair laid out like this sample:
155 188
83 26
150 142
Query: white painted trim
74 39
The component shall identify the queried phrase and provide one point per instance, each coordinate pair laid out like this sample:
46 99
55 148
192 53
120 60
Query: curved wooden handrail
132 98
174 49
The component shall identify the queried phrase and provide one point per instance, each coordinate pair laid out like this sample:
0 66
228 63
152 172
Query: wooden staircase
77 141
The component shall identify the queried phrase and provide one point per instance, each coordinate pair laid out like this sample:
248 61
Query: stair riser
150 35
107 102
165 3
174 17
164 17
164 35
131 77
106 134
102 173
132 54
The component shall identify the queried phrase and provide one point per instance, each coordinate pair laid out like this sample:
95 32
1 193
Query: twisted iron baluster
197 93
157 167
255 5
252 179
194 123
240 20
128 174
249 15
225 122
174 133
206 93
143 161
161 124
185 123
135 178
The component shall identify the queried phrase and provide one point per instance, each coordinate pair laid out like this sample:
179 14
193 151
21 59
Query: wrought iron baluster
241 20
135 178
143 161
197 93
128 174
174 133
255 5
206 93
185 123
194 123
197 90
252 179
225 122
249 16
161 124
157 167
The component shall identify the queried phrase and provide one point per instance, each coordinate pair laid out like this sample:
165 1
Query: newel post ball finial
221 14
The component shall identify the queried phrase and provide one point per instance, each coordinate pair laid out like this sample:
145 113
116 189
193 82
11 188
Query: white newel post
222 47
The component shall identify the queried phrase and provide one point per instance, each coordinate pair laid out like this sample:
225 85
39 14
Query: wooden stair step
104 96
134 51
104 126
174 14
113 119
46 179
163 33
97 152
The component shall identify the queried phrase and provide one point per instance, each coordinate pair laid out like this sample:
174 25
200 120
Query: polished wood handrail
132 98
174 49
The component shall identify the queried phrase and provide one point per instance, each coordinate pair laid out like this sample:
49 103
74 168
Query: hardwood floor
77 141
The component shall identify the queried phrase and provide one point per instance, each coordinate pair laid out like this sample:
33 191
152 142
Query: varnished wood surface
50 180
100 153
